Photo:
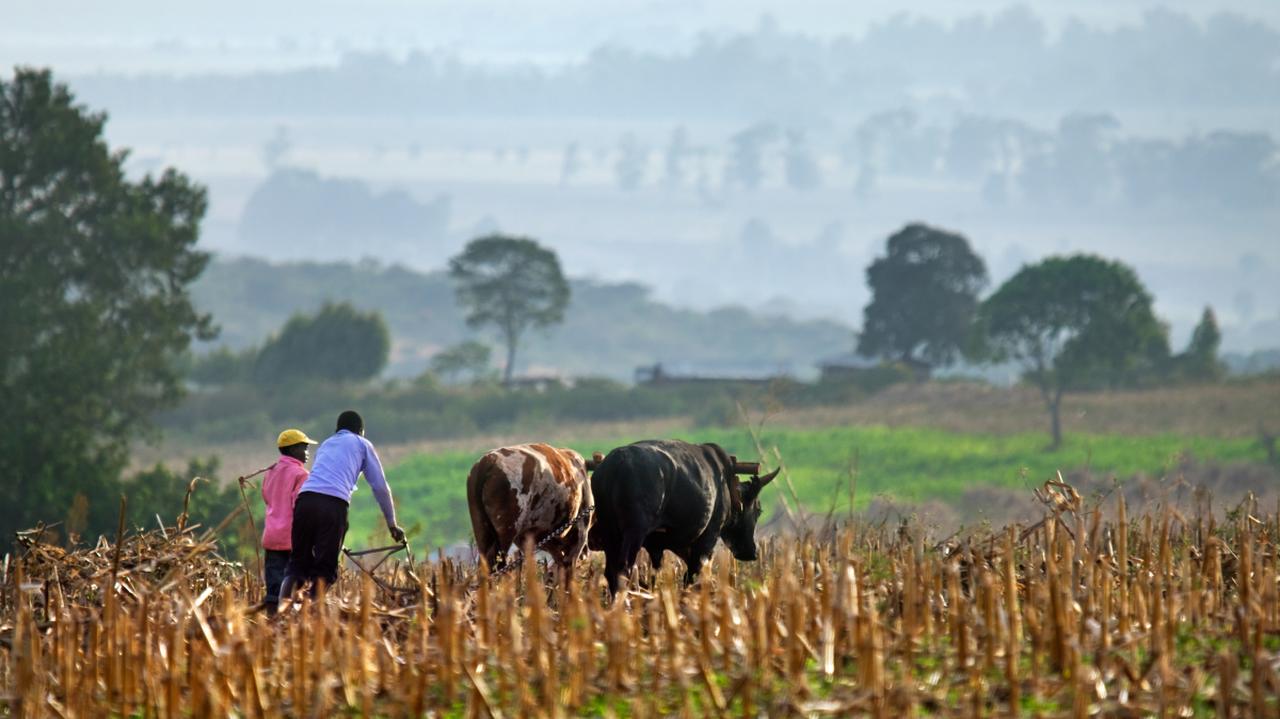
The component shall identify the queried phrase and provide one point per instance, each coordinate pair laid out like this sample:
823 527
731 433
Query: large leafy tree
339 343
94 277
511 284
1074 323
924 293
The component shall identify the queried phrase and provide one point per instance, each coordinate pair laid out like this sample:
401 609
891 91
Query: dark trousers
274 565
319 526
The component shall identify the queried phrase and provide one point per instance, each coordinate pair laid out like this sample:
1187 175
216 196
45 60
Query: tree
511 283
1200 361
1074 323
924 293
468 358
675 157
1082 156
633 159
339 343
570 164
95 272
222 366
745 165
802 170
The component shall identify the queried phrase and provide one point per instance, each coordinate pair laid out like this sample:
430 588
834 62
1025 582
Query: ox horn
762 481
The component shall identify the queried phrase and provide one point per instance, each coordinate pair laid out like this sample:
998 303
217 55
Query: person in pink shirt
280 492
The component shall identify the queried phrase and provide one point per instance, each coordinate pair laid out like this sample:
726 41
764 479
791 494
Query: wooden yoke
751 468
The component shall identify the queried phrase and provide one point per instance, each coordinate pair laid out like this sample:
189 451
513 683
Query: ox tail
481 525
607 484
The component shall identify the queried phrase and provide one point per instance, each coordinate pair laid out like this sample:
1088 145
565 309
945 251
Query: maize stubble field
1094 611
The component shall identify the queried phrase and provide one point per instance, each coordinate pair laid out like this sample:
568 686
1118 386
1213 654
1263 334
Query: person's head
294 443
351 421
300 451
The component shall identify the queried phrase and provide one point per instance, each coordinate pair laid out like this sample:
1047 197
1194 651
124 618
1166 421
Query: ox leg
562 555
489 554
624 560
655 552
565 569
697 556
495 552
693 567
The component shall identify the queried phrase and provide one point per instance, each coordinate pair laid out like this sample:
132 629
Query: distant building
540 383
661 375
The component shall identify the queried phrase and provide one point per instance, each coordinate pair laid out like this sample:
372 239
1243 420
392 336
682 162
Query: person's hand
396 533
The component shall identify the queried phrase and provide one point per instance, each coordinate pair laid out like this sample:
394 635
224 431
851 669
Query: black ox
672 495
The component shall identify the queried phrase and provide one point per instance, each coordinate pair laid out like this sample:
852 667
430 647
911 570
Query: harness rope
546 538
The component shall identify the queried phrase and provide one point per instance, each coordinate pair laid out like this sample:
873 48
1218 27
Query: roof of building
849 360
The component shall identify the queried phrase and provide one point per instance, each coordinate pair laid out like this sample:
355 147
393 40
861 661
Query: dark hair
350 420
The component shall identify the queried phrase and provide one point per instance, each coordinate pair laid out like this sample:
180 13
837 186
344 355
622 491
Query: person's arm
377 480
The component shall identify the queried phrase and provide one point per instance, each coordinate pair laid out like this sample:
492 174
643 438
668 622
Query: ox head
739 531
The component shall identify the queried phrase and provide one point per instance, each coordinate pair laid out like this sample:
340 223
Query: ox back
660 495
530 492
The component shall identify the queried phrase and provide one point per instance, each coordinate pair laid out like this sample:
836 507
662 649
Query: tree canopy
1074 323
511 284
94 277
339 343
1200 361
466 359
924 293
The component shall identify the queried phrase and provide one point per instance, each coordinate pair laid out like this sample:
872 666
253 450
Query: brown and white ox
528 492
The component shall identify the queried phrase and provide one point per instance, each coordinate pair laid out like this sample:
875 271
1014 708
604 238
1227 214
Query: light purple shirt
339 462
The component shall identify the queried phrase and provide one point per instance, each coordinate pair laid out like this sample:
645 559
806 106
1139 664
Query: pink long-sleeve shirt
280 490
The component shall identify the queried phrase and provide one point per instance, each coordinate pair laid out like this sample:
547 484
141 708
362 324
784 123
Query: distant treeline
609 328
1010 59
410 411
1088 159
297 206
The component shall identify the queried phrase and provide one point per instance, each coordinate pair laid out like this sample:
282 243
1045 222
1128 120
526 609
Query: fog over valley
748 154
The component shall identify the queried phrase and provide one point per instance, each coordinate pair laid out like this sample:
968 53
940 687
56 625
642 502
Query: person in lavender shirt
320 512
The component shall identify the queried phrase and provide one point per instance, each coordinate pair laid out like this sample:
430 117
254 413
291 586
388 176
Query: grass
908 464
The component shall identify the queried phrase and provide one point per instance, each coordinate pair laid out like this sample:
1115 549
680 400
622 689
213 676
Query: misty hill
1006 60
297 207
609 329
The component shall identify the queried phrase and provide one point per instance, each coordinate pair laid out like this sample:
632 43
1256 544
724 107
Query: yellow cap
293 436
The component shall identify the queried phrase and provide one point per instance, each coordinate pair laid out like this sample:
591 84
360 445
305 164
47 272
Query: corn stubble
1092 612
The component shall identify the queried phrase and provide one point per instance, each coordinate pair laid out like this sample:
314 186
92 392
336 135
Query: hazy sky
236 35
599 230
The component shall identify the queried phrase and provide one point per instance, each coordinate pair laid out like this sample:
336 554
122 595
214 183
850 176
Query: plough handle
388 548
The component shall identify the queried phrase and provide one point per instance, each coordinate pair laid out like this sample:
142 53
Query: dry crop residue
1088 612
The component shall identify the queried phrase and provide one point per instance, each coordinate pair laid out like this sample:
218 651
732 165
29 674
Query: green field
905 463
